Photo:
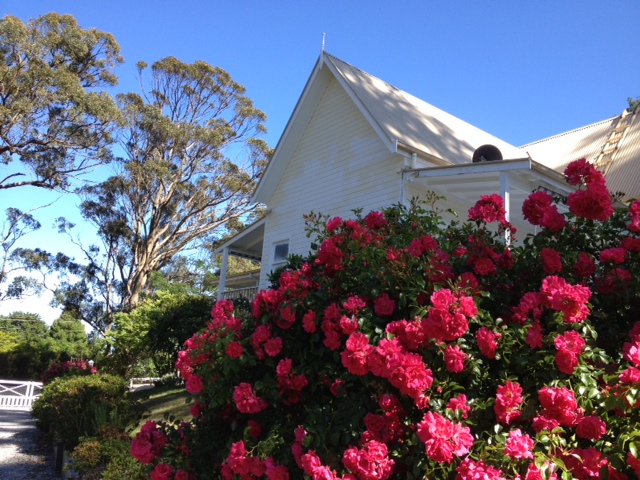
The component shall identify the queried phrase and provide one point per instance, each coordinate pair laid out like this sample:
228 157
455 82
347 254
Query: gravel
24 454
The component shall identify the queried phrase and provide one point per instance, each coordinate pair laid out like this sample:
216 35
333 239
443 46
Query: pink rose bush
405 348
68 368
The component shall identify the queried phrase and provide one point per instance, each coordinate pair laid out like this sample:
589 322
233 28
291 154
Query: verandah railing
18 395
249 293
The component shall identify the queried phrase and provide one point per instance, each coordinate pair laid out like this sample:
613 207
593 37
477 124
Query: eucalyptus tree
55 124
192 156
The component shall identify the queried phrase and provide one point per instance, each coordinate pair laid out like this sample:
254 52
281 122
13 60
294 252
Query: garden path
24 455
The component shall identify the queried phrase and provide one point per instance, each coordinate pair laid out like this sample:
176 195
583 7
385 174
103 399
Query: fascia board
298 121
251 229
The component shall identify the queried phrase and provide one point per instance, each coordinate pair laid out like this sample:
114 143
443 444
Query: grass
162 402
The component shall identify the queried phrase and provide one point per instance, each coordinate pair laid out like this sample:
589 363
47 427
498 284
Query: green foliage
72 407
25 346
52 119
153 333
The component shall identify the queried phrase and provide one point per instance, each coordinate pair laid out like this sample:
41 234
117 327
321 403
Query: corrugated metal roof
414 122
623 175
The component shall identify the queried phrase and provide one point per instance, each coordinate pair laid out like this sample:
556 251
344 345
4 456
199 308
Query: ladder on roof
611 147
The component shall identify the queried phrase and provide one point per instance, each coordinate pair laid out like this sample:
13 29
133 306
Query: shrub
72 407
147 339
106 457
406 348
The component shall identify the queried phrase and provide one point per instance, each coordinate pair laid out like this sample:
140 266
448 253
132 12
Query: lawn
163 402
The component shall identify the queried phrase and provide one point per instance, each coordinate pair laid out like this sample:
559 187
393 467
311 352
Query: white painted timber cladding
339 165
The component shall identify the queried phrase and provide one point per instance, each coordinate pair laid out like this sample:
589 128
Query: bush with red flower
407 348
68 368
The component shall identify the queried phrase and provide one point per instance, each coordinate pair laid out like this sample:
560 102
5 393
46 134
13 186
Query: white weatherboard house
354 141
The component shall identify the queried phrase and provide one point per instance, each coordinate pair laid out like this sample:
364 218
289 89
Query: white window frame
277 263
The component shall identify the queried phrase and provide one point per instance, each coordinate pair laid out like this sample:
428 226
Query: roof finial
322 51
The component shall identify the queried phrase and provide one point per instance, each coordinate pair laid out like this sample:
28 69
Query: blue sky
520 70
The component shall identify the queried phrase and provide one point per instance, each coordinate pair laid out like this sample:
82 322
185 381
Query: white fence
16 395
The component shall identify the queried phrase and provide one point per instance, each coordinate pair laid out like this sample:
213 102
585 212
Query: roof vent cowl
486 153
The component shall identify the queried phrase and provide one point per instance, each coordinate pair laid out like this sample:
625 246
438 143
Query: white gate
16 395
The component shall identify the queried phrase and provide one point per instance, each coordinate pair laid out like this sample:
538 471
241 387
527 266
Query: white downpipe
222 285
506 195
412 165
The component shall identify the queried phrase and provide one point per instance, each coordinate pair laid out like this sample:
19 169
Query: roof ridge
365 72
553 137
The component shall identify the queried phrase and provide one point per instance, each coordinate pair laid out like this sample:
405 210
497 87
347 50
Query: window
280 252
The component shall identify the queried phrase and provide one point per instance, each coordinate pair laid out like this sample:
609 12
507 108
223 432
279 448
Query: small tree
69 336
26 349
153 333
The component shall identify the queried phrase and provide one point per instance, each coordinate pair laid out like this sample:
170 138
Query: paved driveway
23 453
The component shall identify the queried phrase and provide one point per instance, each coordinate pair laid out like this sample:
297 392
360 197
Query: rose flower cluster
408 348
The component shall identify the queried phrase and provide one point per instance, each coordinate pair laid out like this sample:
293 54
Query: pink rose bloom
570 345
384 306
246 400
334 223
508 401
141 449
566 361
630 375
348 325
354 304
585 463
556 293
559 404
370 462
410 334
613 255
459 403
534 473
534 335
594 203
375 220
470 469
490 208
535 206
518 445
194 385
354 357
484 266
541 422
487 342
181 475
273 346
162 471
631 352
585 266
553 220
309 322
551 261
443 438
454 358
591 427
234 350
581 171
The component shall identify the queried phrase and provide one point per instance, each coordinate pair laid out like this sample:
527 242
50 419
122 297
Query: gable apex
399 119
